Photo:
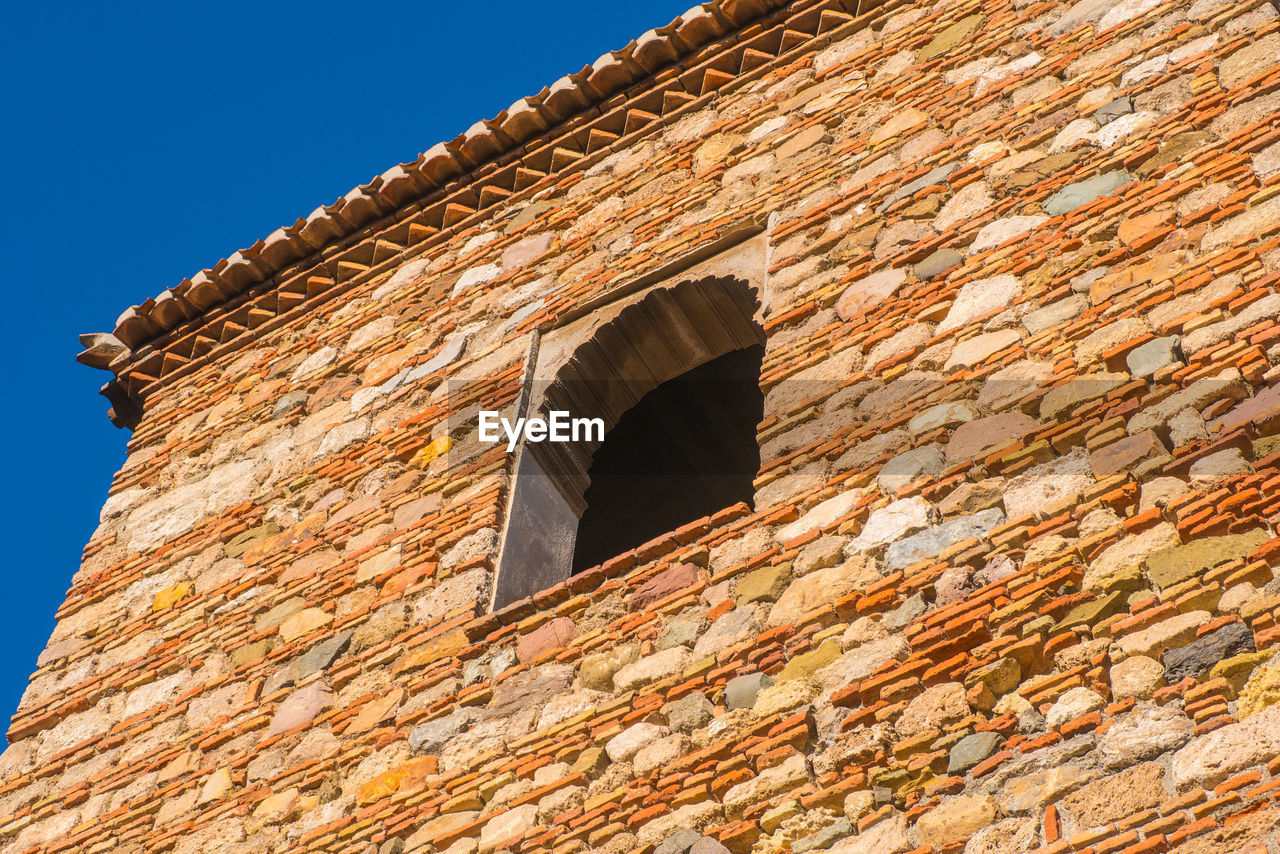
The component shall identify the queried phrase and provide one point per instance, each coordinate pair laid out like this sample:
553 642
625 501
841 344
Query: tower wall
1009 576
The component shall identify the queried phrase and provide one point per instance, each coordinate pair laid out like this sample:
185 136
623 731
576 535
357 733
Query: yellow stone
375 711
218 784
170 595
277 806
446 645
423 458
406 777
897 124
803 665
304 622
466 802
1262 691
382 786
591 761
382 562
607 798
715 151
773 819
1237 668
489 788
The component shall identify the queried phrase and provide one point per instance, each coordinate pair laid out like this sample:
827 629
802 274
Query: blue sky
143 142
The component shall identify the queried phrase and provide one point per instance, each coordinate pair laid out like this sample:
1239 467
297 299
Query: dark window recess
686 450
675 377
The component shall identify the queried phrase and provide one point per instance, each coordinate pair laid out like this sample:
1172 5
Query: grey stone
282 678
1197 658
431 736
707 845
896 620
824 838
322 655
681 631
735 626
933 541
279 614
453 348
938 263
741 691
314 660
1114 110
690 712
1144 361
936 175
910 466
1054 314
288 403
679 842
863 660
971 750
1082 192
394 845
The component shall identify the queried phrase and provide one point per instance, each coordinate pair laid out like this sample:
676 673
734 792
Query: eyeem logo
558 428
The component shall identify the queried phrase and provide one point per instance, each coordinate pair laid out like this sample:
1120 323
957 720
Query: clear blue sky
143 142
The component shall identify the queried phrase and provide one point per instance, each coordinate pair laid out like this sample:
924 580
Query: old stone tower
939 355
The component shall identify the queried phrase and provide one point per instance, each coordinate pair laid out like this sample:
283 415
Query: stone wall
1008 584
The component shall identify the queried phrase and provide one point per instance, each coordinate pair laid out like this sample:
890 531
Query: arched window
674 375
686 450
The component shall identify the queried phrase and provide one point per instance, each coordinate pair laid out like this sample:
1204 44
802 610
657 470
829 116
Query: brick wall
1008 582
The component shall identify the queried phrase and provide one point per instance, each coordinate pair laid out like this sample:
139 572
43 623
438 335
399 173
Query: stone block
821 588
552 634
663 585
1126 453
596 671
1117 796
1075 703
653 668
1168 567
803 666
690 712
1144 734
741 691
1082 192
763 585
1197 658
971 750
1228 750
626 744
1165 635
978 438
1261 691
892 522
1137 676
956 818
931 542
936 707
1143 361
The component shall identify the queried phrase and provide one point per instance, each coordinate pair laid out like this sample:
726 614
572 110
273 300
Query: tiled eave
377 226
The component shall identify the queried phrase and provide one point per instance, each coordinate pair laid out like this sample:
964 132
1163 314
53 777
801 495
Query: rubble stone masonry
1009 581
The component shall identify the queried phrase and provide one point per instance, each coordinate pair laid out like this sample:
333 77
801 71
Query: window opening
672 370
688 449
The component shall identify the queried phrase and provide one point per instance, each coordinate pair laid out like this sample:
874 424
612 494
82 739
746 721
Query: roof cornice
576 121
